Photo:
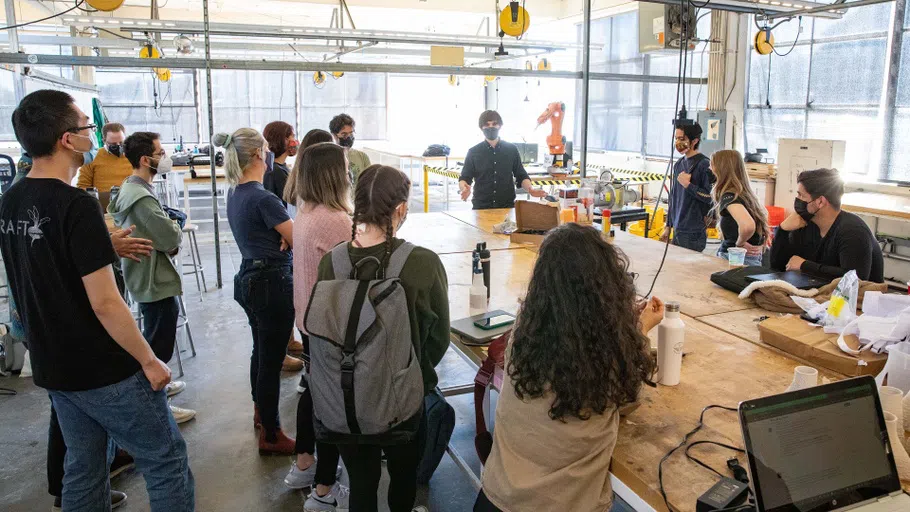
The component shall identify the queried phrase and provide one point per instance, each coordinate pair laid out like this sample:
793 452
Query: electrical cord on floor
660 465
8 392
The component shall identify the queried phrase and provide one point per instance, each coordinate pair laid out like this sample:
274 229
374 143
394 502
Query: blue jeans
130 414
696 241
750 261
265 291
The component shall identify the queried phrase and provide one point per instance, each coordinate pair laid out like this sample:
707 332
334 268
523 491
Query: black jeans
159 326
364 465
265 291
56 454
483 504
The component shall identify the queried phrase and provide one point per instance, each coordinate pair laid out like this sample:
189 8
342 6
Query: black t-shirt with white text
52 235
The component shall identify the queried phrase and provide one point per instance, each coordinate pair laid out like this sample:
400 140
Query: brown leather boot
291 364
257 421
295 346
283 444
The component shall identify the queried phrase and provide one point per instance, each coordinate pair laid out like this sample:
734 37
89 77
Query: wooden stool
195 257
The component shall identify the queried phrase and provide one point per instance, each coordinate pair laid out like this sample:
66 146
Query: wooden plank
877 204
445 235
685 276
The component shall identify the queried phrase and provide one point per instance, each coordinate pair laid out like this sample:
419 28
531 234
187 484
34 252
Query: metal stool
183 321
196 258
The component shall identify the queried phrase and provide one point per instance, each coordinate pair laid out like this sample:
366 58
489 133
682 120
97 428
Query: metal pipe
889 108
18 86
747 7
348 50
211 115
181 63
585 82
823 9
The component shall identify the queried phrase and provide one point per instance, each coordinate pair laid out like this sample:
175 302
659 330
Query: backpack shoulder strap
341 261
398 259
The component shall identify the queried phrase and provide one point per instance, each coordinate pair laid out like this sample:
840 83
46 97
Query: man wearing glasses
102 376
110 166
342 128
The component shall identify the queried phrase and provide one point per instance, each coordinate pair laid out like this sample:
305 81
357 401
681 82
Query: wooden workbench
887 206
439 233
719 368
684 277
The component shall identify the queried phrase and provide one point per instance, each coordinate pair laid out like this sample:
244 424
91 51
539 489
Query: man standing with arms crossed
102 376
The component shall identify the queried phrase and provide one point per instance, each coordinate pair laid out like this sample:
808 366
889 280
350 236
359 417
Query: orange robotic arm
555 113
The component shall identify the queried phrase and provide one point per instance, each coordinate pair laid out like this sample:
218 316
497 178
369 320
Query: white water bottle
671 333
478 293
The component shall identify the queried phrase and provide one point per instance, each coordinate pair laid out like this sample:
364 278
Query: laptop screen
818 449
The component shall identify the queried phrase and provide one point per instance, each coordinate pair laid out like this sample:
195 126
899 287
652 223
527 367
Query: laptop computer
798 279
822 449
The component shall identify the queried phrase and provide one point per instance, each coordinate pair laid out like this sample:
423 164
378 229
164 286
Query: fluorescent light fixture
127 22
169 24
157 24
84 20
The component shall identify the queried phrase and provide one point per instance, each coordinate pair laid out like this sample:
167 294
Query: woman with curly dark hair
579 351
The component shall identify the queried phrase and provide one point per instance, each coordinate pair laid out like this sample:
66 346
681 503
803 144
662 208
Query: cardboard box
796 336
534 219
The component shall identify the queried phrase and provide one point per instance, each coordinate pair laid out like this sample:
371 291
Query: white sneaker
300 478
302 385
181 415
174 387
420 508
338 498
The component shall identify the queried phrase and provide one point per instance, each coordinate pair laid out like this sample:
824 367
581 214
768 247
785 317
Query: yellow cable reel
337 74
150 52
514 20
764 42
104 5
543 65
453 80
318 78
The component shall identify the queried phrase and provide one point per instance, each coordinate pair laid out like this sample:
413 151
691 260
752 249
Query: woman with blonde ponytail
264 285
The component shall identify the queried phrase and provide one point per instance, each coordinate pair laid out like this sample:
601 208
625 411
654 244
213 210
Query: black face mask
802 209
346 143
115 149
491 133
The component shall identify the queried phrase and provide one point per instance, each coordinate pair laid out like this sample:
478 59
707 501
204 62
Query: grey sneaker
174 387
420 508
338 498
182 415
300 478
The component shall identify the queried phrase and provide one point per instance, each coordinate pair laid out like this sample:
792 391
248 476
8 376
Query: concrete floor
230 474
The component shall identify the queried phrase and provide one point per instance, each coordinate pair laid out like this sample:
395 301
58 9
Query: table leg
647 226
186 199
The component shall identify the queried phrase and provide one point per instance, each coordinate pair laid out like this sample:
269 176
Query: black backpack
437 150
440 418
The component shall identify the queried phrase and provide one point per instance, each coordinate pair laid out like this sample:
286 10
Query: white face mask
165 164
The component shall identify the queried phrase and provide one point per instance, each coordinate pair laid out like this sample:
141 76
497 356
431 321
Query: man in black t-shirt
820 239
102 376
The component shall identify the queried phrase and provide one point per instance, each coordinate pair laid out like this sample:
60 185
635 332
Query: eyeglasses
80 128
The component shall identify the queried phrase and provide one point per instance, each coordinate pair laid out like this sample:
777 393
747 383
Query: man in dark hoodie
154 281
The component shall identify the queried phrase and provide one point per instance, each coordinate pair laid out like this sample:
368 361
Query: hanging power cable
27 23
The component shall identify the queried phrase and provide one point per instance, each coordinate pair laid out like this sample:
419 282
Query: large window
637 116
251 99
7 104
828 87
360 95
141 103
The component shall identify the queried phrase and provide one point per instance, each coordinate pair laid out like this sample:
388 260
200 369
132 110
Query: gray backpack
365 376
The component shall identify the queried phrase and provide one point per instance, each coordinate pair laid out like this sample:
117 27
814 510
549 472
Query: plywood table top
877 204
484 219
444 235
718 369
